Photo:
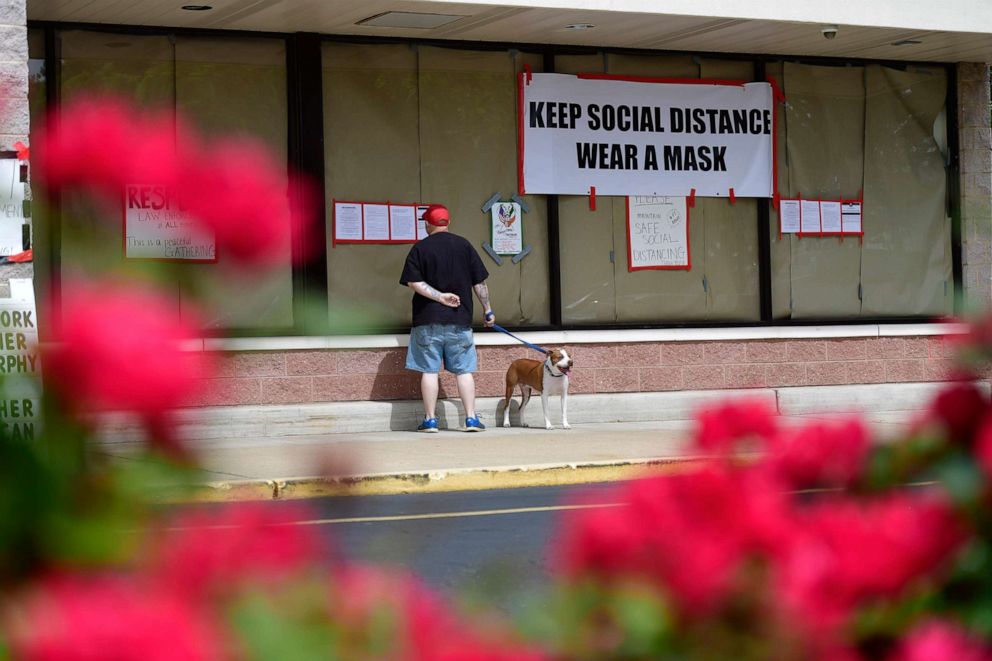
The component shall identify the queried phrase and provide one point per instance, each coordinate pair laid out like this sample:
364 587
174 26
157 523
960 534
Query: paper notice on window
809 217
157 227
347 221
507 228
830 217
402 222
851 217
657 233
12 206
788 213
376 222
421 224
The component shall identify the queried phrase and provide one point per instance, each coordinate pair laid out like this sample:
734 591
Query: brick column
975 140
14 119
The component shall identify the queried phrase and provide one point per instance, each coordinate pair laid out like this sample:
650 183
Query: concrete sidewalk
296 466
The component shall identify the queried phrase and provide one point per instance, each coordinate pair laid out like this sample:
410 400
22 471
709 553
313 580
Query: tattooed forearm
482 291
425 290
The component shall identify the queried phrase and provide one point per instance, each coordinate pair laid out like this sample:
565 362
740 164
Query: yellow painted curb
461 480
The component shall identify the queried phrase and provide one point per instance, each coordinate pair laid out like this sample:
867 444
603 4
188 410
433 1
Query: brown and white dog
547 378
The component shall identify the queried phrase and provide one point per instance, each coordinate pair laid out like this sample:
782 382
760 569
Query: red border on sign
520 133
378 242
630 257
334 223
861 201
174 260
776 95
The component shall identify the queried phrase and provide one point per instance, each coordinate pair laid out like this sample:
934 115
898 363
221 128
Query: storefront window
225 86
866 131
597 287
410 124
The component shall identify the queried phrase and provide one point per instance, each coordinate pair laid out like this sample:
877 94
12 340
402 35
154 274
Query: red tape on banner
691 201
777 92
733 199
592 198
528 74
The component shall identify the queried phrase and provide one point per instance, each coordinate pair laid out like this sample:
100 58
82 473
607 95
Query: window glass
871 130
596 284
225 86
434 125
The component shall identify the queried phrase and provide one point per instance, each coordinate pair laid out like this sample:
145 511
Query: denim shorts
432 343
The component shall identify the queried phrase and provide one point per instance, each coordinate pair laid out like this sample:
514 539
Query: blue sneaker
428 425
473 424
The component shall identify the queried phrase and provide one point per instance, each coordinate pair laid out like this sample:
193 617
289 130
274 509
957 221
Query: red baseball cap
436 215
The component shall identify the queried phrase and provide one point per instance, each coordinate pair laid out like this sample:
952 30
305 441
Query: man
443 270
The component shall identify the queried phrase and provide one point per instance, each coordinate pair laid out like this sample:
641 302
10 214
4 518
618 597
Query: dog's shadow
514 413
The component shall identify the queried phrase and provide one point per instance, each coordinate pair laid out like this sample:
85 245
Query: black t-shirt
448 263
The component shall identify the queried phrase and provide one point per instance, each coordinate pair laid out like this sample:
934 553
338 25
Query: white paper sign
809 220
830 217
11 207
347 221
157 227
421 223
643 138
508 231
657 233
788 212
403 222
851 217
376 219
20 367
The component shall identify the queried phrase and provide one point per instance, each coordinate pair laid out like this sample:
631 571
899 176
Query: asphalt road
494 545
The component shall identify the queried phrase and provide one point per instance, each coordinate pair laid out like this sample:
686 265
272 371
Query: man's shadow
398 389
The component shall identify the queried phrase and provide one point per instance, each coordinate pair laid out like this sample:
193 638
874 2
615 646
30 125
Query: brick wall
377 374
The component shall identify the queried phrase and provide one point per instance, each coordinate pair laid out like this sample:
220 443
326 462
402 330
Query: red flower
207 552
689 533
102 144
241 193
843 552
234 187
959 408
940 641
120 349
819 454
94 619
721 428
983 447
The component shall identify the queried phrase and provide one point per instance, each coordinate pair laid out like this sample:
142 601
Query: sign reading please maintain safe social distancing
645 138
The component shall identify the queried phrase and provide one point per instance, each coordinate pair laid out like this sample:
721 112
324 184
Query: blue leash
525 342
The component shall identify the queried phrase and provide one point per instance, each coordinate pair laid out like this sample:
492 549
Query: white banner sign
657 233
628 137
508 229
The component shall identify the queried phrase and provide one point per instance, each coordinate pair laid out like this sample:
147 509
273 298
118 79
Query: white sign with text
157 227
657 233
634 137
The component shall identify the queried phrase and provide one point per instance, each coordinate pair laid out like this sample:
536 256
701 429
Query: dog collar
547 368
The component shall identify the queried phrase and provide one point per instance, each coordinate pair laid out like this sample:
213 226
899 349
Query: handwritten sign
508 229
11 207
157 227
657 233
